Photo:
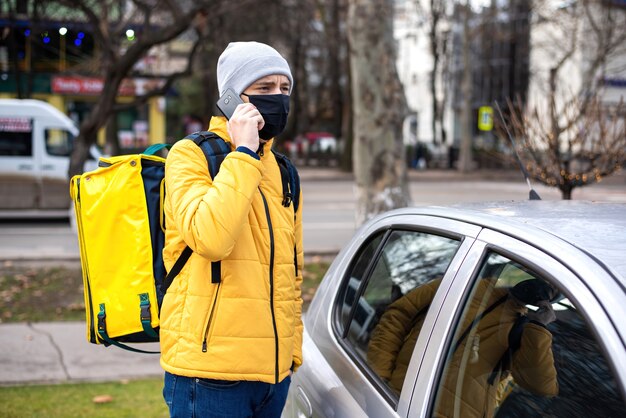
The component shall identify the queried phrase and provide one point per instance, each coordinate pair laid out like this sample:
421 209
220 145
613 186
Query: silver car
506 310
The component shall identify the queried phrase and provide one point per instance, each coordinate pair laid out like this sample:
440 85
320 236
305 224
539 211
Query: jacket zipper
295 258
269 224
208 324
81 240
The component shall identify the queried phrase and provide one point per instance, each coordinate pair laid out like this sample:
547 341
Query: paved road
329 210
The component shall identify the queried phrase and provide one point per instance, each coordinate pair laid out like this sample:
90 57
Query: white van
36 140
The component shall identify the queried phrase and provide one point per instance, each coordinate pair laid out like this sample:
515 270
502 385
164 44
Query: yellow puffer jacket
391 345
466 391
247 327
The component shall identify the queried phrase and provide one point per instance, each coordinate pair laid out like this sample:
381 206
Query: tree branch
99 26
140 100
174 8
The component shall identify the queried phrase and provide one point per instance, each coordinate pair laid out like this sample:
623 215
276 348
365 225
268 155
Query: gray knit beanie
243 63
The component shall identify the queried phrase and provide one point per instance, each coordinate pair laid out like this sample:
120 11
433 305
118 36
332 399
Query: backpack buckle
287 199
102 323
145 313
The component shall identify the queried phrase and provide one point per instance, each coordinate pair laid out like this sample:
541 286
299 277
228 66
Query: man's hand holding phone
244 120
544 315
244 126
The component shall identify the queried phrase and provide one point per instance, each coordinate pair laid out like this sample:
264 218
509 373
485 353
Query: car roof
43 111
597 228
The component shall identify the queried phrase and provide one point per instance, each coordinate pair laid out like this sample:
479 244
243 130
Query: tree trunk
443 54
566 191
96 120
347 127
465 153
112 142
335 67
379 107
434 50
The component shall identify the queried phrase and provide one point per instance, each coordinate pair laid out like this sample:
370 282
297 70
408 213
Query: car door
494 353
19 173
347 372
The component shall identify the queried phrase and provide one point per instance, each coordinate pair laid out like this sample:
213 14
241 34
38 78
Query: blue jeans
189 397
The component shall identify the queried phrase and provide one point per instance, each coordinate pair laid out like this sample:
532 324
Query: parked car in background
499 310
315 148
36 140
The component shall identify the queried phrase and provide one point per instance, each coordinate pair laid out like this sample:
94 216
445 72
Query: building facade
54 57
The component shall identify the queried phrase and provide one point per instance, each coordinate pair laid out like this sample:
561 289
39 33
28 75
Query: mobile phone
228 103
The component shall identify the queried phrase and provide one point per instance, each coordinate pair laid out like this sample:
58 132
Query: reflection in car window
357 274
522 350
58 142
385 319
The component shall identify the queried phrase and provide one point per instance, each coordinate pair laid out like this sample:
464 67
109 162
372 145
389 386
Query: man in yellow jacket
230 343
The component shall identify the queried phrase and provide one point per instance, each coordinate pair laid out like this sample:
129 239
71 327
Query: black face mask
274 109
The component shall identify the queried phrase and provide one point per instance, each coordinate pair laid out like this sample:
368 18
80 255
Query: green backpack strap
102 332
154 148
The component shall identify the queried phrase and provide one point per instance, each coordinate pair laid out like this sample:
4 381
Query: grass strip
138 398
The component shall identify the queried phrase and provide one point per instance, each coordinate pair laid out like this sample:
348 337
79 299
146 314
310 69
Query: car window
356 276
522 349
380 310
16 137
59 142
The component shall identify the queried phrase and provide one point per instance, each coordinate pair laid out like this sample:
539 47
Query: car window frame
543 263
341 335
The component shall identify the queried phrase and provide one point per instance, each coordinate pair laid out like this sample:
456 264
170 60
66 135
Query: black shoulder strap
290 180
291 191
178 266
214 147
215 150
515 342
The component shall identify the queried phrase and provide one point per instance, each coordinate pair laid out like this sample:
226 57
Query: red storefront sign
91 86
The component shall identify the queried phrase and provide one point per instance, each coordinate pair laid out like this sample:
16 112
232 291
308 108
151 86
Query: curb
443 175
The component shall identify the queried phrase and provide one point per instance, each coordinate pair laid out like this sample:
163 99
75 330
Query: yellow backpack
121 233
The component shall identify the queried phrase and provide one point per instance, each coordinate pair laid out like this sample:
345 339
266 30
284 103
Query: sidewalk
58 352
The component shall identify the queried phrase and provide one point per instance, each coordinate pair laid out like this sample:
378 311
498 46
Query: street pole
62 32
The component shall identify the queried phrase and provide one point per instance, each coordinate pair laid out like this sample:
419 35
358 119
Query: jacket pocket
211 319
218 384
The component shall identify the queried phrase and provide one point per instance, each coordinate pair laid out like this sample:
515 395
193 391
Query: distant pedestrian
230 340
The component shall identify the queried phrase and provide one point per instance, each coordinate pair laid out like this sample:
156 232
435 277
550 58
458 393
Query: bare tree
573 133
296 17
161 21
594 148
465 152
436 15
333 102
379 109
